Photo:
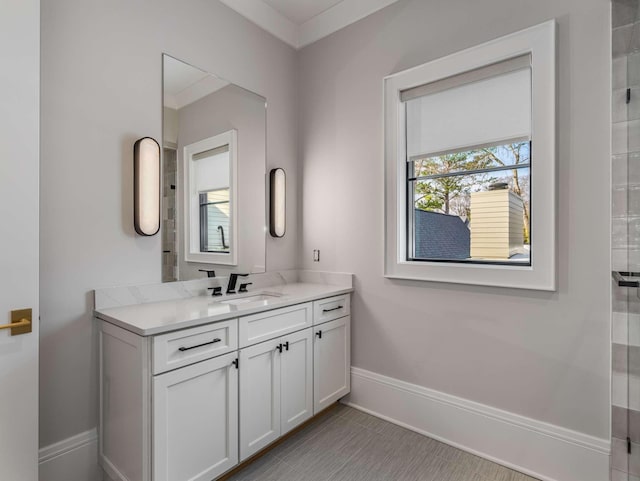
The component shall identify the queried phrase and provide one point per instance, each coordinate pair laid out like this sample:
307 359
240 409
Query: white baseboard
541 450
72 459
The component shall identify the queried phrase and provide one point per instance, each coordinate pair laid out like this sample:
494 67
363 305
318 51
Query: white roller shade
470 110
211 171
211 152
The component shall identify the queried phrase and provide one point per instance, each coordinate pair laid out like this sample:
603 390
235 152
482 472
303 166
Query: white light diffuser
277 209
146 179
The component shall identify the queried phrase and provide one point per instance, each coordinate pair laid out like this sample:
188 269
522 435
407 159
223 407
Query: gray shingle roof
441 236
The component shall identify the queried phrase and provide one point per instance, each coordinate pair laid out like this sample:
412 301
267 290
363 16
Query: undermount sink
255 298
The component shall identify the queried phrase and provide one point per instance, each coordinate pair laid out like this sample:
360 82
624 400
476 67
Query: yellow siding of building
496 224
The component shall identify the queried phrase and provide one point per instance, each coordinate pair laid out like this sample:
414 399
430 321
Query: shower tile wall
625 239
169 241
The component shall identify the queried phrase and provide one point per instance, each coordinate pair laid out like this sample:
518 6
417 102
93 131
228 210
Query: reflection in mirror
214 148
210 199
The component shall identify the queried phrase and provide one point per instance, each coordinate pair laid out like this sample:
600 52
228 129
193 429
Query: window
210 192
471 206
468 193
214 221
470 165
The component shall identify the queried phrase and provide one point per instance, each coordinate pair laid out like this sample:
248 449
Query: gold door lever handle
20 322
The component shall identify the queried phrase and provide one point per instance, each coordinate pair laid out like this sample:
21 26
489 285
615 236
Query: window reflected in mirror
210 187
214 221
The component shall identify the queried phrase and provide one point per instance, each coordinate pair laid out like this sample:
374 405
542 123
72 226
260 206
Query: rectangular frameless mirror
214 157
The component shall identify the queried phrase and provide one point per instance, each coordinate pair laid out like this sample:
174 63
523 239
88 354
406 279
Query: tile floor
349 445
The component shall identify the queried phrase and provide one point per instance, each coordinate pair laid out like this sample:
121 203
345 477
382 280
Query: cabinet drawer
331 308
180 348
271 324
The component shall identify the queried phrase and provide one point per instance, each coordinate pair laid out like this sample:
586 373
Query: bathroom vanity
191 387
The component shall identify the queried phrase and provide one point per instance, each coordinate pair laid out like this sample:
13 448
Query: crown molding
298 36
336 18
266 17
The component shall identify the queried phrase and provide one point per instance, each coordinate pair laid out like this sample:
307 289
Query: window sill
490 275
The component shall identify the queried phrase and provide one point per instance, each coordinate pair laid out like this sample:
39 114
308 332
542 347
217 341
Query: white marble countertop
164 316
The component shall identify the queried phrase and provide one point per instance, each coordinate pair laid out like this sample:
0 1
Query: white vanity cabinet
195 421
331 350
296 371
259 397
276 385
190 404
179 424
331 362
331 308
276 375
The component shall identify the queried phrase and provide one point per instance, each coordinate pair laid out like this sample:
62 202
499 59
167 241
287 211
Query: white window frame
540 41
192 201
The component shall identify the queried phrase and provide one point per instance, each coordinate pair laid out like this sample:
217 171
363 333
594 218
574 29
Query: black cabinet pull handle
279 348
286 345
236 362
319 334
199 345
334 309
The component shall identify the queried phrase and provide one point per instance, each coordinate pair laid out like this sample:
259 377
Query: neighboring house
496 224
441 236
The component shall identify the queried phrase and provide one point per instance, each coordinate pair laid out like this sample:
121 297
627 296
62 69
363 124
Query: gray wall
101 90
542 355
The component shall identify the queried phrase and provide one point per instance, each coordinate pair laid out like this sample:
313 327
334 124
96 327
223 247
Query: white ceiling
301 22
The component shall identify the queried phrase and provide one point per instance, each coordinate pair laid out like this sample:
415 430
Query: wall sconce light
277 210
146 190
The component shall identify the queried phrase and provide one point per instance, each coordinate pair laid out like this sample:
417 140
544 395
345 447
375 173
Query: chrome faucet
233 278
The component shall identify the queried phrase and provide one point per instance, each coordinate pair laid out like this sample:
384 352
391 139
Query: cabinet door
195 421
259 396
296 370
331 362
